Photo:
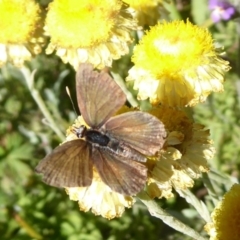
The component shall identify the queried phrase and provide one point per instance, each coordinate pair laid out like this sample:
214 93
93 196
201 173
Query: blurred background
29 209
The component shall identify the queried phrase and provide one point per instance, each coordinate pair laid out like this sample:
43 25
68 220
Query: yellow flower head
184 156
94 31
100 199
176 64
98 196
19 35
226 217
148 12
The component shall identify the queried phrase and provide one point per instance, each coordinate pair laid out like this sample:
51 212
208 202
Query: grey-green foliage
221 114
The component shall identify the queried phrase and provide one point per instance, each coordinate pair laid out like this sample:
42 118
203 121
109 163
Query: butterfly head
80 131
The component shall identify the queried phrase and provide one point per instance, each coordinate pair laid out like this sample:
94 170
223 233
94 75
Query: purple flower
221 10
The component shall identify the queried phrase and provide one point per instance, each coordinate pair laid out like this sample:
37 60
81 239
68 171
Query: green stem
156 211
36 96
31 232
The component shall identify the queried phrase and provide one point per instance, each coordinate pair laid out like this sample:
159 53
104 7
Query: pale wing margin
69 165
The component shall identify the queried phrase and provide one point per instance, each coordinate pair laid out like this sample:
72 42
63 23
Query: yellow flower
177 64
98 196
148 12
20 35
100 199
226 217
185 154
95 31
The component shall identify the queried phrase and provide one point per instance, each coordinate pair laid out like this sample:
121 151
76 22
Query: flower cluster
175 65
69 24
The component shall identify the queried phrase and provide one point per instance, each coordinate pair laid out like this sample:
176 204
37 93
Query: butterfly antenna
70 97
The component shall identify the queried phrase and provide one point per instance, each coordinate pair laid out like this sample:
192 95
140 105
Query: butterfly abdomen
123 150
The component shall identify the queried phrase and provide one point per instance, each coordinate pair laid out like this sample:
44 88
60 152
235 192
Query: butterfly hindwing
139 130
69 165
122 175
99 97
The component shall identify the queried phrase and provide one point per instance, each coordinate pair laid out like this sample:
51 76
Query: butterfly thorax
96 138
92 136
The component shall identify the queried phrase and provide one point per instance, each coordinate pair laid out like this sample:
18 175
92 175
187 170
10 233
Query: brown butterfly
115 146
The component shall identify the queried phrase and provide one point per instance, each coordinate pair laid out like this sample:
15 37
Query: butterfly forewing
139 130
120 174
99 97
69 165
